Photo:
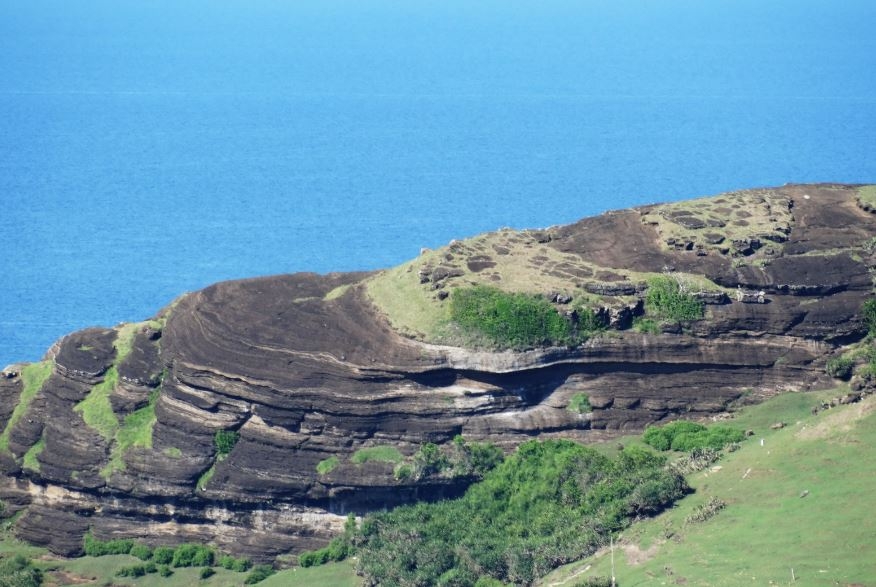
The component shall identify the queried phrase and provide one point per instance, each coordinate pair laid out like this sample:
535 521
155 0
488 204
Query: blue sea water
150 148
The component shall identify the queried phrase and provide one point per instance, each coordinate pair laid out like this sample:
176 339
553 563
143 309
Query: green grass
383 454
867 195
328 465
29 461
205 478
136 430
96 409
33 377
340 574
580 404
767 528
173 452
125 336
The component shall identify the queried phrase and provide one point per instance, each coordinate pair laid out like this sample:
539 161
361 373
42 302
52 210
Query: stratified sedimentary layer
309 369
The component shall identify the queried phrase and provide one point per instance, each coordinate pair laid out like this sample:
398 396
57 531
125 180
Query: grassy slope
828 537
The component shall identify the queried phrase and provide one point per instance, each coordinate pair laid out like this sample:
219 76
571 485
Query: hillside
255 414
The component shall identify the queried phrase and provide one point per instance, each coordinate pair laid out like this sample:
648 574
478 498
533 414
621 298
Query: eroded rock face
307 371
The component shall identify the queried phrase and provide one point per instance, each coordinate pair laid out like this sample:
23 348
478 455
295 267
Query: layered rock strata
119 440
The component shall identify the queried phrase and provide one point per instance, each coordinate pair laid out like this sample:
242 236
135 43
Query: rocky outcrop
308 371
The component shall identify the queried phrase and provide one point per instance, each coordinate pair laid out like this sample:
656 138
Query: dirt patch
636 556
842 421
68 578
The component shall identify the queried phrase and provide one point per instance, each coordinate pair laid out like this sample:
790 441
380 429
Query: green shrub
132 571
646 325
337 550
238 565
207 572
95 547
869 312
224 440
429 461
403 472
192 555
687 436
839 367
141 551
258 574
549 503
509 320
17 571
163 555
666 301
580 404
165 571
598 581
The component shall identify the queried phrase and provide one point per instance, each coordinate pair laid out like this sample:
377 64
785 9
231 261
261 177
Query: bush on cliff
687 436
224 440
869 312
547 504
509 320
666 300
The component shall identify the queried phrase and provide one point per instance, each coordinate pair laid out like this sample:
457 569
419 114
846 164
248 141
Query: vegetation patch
338 549
666 300
30 460
868 310
726 224
839 367
224 441
201 484
509 320
326 466
258 574
646 325
706 511
457 459
18 571
867 197
173 452
381 454
688 436
96 409
33 377
579 404
549 503
135 431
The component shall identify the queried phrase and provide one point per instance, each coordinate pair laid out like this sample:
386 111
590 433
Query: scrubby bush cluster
258 574
338 549
17 571
688 436
666 301
839 367
547 504
869 312
457 459
224 441
509 320
161 559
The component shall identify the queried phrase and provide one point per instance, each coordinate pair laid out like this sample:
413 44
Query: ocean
152 148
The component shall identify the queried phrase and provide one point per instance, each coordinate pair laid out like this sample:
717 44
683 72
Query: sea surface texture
150 148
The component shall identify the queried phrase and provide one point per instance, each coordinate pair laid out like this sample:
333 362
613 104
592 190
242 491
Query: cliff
116 431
